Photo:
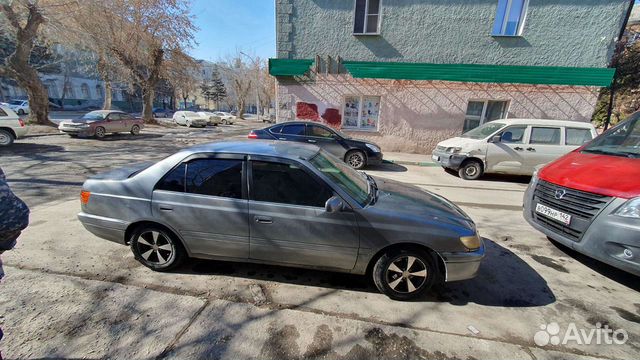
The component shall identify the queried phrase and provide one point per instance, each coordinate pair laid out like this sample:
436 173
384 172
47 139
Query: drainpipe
614 63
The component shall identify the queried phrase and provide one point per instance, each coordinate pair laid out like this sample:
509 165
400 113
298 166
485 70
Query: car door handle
264 220
312 141
531 149
166 208
518 148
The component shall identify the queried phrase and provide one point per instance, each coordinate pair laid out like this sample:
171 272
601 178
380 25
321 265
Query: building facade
407 74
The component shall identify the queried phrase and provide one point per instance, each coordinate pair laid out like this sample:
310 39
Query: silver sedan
286 204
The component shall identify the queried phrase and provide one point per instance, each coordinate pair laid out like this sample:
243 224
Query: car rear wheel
405 274
356 159
471 170
156 248
100 132
6 138
135 130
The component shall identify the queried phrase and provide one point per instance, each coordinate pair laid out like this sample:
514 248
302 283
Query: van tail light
252 135
84 197
21 122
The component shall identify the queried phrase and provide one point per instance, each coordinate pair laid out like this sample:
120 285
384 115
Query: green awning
289 67
482 73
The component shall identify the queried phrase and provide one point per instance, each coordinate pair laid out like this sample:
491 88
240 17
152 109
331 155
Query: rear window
545 136
215 177
578 137
3 113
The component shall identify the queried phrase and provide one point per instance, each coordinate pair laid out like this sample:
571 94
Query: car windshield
16 102
94 116
623 140
351 181
191 114
484 131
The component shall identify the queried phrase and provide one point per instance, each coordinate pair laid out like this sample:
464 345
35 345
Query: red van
589 199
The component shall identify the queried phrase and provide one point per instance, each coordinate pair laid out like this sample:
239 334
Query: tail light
21 122
84 197
252 135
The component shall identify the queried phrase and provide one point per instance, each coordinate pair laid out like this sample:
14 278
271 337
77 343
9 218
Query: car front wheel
405 274
156 248
100 132
6 138
471 170
135 130
356 159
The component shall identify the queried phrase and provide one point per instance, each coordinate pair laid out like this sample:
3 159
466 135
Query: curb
414 163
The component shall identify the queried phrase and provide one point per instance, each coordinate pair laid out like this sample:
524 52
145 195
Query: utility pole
257 66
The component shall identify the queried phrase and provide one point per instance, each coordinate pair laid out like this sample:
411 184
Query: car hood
459 142
600 174
415 202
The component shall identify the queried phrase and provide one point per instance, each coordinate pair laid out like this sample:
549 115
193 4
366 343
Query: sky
228 25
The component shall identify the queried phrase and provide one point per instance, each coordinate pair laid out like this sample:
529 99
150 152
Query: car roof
280 149
546 122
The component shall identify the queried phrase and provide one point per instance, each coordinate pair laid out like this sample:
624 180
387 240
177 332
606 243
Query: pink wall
416 115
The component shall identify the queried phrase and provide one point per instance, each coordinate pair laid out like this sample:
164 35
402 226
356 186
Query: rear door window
297 129
545 136
3 113
276 129
317 131
578 137
215 177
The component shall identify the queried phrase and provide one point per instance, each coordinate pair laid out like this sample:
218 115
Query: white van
511 146
11 126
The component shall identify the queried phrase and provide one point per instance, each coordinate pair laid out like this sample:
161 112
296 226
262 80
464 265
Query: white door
546 143
509 155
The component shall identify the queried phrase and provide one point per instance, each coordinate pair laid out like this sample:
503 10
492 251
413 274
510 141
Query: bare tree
181 70
22 21
240 77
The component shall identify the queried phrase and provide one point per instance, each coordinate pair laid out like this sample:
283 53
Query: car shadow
21 148
387 167
121 137
622 277
504 280
519 179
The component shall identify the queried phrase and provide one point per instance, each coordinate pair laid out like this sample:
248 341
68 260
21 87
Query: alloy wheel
5 138
355 160
155 248
135 129
100 132
406 274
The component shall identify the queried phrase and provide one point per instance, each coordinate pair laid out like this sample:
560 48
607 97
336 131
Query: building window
99 92
367 17
361 112
68 91
483 111
84 88
510 17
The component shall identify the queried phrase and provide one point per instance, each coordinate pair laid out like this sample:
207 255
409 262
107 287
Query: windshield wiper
614 153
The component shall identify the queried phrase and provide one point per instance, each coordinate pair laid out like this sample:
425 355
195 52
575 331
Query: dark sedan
356 153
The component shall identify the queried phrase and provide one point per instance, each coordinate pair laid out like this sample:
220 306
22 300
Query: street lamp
257 65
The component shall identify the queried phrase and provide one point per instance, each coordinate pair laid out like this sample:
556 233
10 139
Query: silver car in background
285 204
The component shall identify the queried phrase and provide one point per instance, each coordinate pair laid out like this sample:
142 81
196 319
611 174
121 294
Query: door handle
264 220
531 149
312 141
166 208
518 148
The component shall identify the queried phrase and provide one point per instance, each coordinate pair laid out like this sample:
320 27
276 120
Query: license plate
553 214
435 157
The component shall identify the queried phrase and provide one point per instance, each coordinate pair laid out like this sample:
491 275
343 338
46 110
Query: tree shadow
22 148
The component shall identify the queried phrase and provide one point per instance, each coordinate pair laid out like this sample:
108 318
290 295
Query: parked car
20 107
190 118
225 117
11 126
589 200
162 113
287 204
356 153
511 146
212 118
101 122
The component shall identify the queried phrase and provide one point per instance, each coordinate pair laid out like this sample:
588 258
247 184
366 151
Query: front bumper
85 131
611 239
447 160
106 228
463 265
374 159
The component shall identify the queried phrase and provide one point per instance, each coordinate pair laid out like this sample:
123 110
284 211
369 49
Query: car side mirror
334 205
496 139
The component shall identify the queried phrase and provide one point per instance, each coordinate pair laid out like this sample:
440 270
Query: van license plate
554 214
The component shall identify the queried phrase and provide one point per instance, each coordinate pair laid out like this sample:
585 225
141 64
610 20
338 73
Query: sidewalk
409 159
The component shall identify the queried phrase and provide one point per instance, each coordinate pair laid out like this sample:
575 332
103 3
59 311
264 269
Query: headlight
630 209
373 148
471 242
454 150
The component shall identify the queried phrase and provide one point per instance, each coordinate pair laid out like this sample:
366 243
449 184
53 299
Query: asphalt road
69 294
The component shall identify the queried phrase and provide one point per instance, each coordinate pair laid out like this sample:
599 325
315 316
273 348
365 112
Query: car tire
187 123
471 170
6 138
356 159
405 273
135 130
156 248
100 132
20 112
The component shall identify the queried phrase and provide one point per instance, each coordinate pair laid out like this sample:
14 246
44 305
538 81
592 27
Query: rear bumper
106 228
20 131
463 265
611 239
450 161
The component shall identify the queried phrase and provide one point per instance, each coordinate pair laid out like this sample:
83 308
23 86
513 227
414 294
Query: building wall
573 33
416 115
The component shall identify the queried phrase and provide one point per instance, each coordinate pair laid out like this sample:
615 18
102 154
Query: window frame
483 116
360 105
521 20
365 22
